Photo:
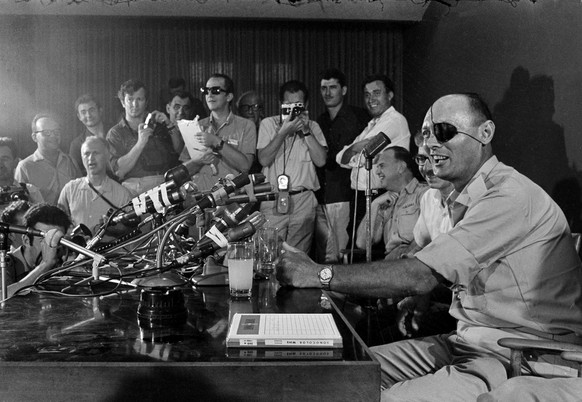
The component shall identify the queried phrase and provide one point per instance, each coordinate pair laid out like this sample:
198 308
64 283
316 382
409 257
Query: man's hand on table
296 269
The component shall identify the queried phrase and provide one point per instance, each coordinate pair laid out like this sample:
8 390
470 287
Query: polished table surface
94 348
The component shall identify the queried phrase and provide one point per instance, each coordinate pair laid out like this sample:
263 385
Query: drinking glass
240 257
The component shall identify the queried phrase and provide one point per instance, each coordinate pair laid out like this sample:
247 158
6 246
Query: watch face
325 274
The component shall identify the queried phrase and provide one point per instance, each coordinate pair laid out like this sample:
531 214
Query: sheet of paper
188 129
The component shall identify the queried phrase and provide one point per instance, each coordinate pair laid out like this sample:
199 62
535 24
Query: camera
292 110
12 193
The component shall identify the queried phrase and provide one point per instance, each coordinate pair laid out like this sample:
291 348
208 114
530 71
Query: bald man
509 258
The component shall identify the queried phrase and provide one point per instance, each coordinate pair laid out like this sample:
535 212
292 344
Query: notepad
284 331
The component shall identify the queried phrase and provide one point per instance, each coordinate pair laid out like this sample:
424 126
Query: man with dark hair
48 168
341 123
229 139
90 113
290 146
13 214
394 213
250 106
10 189
142 153
378 96
509 259
36 255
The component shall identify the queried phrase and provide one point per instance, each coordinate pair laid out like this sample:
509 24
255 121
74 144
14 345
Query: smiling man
509 258
48 168
230 138
394 213
378 96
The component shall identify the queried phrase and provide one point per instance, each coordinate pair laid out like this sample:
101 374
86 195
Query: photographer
10 189
143 146
290 146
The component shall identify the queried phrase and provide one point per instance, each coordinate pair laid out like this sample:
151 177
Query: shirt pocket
406 220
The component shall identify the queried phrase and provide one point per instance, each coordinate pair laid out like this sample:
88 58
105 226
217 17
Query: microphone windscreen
376 145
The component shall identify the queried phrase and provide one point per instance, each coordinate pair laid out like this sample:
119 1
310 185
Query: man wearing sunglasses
290 146
378 96
231 139
509 259
48 168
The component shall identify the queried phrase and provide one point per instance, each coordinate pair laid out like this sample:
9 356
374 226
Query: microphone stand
3 254
369 210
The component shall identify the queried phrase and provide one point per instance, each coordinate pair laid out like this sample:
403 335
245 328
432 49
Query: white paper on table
189 129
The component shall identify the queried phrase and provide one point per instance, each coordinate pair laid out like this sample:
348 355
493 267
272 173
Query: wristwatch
219 146
325 276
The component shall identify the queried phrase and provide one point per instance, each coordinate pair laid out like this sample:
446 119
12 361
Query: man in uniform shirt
509 258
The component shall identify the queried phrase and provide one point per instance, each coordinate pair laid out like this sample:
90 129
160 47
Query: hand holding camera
294 117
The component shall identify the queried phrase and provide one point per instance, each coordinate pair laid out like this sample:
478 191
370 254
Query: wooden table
93 348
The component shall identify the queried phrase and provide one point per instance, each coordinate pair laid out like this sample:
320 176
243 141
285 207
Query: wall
46 62
525 61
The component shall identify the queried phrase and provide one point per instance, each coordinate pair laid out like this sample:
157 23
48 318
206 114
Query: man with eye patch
230 139
509 260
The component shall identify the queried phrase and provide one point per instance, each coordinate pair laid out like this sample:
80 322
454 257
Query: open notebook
283 331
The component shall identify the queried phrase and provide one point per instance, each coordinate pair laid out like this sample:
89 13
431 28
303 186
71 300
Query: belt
299 191
569 337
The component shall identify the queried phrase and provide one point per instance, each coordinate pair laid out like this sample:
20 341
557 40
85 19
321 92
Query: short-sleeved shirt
510 258
236 131
293 158
48 178
398 219
391 123
85 206
157 157
433 219
339 132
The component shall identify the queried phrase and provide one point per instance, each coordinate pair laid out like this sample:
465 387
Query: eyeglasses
50 133
247 108
444 132
421 160
185 108
212 90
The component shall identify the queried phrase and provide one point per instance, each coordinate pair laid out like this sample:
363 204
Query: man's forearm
235 158
267 155
128 161
317 152
398 278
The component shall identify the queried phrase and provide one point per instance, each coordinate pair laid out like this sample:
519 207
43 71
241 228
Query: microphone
4 227
240 232
233 215
374 147
156 200
220 192
376 144
247 198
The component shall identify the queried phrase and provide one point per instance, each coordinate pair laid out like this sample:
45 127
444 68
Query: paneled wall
47 61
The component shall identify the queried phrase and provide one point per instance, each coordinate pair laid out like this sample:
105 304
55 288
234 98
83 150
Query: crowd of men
450 217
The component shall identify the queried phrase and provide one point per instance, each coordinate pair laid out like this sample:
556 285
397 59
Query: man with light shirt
48 168
378 95
88 199
509 259
230 139
142 153
290 146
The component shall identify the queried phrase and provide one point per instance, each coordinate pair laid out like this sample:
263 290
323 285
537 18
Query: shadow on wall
529 140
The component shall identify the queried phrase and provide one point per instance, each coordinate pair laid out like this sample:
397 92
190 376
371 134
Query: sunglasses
444 132
421 160
247 108
212 90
